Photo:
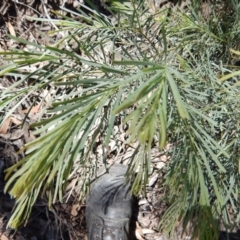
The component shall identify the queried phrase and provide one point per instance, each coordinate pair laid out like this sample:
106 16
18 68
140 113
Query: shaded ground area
61 222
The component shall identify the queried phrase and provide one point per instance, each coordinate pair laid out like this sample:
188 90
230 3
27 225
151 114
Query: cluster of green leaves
174 83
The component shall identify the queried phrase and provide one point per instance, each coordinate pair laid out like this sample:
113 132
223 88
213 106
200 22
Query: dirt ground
65 220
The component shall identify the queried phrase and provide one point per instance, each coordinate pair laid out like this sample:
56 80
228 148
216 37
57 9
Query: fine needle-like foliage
171 77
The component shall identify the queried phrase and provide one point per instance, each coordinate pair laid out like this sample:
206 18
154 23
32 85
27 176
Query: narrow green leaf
228 76
180 105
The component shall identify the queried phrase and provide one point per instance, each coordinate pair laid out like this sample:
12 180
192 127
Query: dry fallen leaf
160 165
153 179
11 29
28 136
147 231
3 237
5 126
144 220
142 201
74 210
34 109
16 134
138 232
33 112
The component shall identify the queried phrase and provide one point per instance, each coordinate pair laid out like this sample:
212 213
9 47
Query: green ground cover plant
172 77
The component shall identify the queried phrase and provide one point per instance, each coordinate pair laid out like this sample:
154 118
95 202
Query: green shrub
167 73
